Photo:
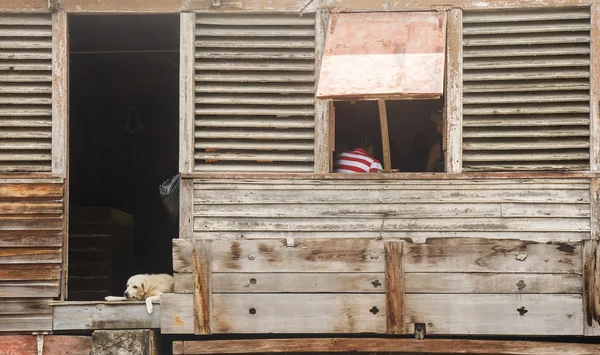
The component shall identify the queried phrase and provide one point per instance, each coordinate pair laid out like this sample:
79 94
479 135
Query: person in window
359 160
435 159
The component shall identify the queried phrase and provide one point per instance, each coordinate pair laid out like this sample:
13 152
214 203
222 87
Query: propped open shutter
25 92
255 107
526 89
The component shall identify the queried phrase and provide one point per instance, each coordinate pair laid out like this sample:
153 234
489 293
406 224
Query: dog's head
137 286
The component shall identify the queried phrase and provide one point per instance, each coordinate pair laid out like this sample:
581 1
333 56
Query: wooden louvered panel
254 85
25 92
526 89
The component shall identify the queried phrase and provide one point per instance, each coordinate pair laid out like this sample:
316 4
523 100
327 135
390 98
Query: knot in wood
522 311
521 285
374 310
251 257
521 256
376 283
373 255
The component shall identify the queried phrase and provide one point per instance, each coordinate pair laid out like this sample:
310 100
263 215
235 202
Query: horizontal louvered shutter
526 89
25 92
254 103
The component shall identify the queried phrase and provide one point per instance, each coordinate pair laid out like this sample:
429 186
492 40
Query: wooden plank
217 225
544 210
31 207
24 6
375 283
385 136
160 6
313 195
186 92
394 290
303 313
26 289
60 99
322 148
386 345
30 255
29 223
26 323
444 314
591 293
260 5
177 314
25 306
134 342
19 344
595 208
186 220
595 89
454 90
104 315
31 191
285 283
202 261
29 238
367 255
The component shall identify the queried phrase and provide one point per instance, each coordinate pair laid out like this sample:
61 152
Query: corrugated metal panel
255 104
526 89
25 92
398 54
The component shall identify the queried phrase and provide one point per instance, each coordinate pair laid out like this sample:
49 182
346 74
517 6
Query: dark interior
411 131
124 129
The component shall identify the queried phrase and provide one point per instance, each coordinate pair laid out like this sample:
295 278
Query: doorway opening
123 143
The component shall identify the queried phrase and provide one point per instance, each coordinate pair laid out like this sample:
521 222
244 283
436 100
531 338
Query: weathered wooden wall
31 229
526 209
497 256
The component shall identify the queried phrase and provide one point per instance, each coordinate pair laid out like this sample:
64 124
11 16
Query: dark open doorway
124 128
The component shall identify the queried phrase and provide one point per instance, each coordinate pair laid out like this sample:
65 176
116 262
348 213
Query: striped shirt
356 161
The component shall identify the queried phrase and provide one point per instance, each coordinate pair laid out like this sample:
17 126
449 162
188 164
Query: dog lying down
145 287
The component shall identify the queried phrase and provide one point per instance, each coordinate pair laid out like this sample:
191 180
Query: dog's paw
149 307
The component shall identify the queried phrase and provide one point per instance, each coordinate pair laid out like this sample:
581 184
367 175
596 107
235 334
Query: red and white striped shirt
356 161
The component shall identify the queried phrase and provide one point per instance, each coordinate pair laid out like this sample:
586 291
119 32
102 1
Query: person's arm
434 155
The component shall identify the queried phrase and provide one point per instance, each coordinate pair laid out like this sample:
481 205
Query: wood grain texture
322 114
595 89
298 313
186 205
591 293
60 94
186 92
394 289
105 315
385 136
595 209
177 314
367 255
389 345
418 282
121 6
453 97
138 342
202 260
444 314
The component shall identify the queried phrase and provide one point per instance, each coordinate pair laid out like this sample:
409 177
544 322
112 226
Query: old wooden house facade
502 243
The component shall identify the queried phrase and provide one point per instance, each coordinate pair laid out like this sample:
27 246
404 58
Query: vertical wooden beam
202 257
60 93
186 208
595 209
186 92
385 137
591 291
60 128
595 89
322 132
453 98
394 280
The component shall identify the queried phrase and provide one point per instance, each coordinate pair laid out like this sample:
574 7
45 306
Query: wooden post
322 149
186 208
60 127
591 292
595 209
453 98
187 92
385 137
202 256
394 280
134 342
595 89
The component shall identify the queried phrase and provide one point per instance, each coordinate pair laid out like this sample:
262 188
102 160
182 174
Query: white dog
145 287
